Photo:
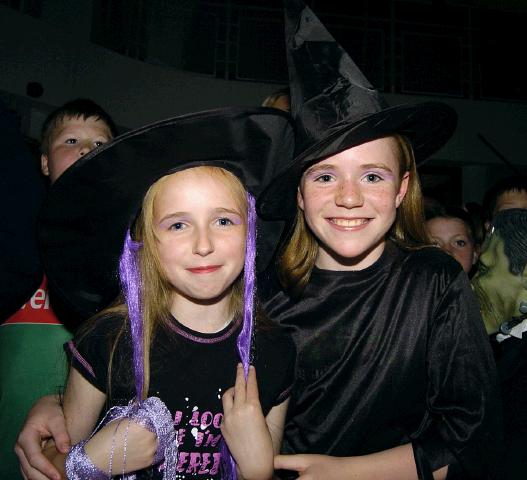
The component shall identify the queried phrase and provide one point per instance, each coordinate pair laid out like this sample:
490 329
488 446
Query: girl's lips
205 269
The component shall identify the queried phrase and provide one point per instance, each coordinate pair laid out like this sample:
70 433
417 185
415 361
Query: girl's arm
44 421
395 463
275 420
252 439
82 406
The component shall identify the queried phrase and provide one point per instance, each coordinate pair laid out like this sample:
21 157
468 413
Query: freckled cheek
316 200
385 199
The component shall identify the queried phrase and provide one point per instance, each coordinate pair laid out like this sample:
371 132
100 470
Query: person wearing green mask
501 280
501 287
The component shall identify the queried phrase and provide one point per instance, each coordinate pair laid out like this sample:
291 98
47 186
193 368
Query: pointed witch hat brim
335 108
88 210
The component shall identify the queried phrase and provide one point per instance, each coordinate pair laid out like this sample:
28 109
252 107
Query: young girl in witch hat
165 355
394 376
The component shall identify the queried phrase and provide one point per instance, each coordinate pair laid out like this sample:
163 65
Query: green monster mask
500 282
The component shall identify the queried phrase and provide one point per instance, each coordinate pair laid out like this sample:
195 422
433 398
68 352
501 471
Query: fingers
35 466
243 391
290 462
240 385
252 385
33 463
57 429
228 400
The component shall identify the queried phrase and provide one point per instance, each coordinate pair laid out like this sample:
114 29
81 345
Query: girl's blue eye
225 222
177 226
71 141
372 178
324 178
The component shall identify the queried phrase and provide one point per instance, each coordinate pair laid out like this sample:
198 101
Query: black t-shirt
392 354
190 371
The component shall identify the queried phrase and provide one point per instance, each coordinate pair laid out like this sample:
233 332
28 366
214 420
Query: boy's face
511 199
72 139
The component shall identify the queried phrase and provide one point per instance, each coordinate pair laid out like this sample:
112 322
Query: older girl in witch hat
394 376
178 195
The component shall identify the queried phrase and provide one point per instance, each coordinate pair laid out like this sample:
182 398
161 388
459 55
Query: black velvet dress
393 354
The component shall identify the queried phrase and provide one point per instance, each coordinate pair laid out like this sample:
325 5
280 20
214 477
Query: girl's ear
44 164
403 187
475 256
299 198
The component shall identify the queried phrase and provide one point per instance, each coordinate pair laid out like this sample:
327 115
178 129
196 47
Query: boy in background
32 362
509 192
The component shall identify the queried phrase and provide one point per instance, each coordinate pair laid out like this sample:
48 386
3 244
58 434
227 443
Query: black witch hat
336 108
88 210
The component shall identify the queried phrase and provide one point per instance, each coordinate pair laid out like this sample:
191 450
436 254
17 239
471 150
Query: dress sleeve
89 351
462 427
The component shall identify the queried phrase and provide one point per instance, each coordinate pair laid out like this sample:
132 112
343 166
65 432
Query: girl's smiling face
350 202
200 230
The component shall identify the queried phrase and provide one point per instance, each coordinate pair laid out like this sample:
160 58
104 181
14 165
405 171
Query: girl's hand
312 467
141 445
395 463
44 421
245 430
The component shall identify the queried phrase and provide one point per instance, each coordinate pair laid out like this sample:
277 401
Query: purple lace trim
153 415
80 467
195 338
80 358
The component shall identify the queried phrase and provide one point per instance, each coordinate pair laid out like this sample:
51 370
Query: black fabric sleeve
89 351
274 361
463 426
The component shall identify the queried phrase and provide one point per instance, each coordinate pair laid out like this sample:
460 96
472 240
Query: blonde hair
157 291
280 99
298 256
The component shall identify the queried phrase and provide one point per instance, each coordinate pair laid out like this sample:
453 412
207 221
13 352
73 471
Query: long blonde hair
299 254
157 290
156 294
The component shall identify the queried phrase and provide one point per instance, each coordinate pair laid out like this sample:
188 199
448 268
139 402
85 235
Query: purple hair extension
228 465
244 341
249 287
131 284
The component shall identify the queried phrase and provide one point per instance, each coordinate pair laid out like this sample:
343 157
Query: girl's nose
349 195
203 245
